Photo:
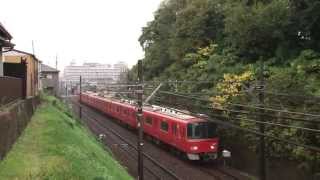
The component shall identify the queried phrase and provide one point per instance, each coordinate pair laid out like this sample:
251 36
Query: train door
156 127
175 133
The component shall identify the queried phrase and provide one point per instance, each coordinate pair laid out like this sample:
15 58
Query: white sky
104 31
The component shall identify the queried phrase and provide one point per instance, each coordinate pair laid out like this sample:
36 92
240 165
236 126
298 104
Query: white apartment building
94 72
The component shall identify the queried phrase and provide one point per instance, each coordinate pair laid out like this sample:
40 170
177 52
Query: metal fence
11 88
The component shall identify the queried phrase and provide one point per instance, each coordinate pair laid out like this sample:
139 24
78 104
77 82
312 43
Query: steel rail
145 155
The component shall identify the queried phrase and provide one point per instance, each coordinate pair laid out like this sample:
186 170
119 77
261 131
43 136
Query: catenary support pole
262 156
152 94
80 98
1 63
140 122
66 89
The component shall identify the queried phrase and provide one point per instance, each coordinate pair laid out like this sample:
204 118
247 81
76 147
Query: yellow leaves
207 51
230 87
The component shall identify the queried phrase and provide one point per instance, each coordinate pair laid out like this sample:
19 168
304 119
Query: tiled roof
46 68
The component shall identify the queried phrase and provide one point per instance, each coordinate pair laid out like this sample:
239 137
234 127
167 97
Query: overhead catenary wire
269 123
246 106
228 124
249 93
237 104
293 95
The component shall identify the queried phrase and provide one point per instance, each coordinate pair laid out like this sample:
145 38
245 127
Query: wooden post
24 78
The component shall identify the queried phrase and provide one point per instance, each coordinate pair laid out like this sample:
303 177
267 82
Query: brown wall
32 72
11 89
13 120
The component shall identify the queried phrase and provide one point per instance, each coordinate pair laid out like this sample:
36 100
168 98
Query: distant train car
189 135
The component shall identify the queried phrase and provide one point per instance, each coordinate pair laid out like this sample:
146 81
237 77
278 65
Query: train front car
202 140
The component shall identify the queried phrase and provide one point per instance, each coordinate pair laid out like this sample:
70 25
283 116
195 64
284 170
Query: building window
49 76
164 126
148 120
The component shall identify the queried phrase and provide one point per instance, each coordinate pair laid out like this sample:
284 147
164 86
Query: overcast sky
104 31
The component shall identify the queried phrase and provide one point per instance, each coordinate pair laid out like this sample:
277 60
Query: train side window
148 120
164 126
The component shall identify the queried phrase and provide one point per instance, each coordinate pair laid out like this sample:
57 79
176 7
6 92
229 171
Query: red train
189 135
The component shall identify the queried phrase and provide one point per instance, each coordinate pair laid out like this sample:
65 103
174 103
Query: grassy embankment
55 146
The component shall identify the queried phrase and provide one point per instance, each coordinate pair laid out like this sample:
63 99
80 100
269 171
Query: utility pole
140 122
66 89
262 156
1 62
80 93
80 88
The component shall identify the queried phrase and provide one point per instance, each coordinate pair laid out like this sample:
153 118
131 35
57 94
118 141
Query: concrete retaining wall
13 120
244 159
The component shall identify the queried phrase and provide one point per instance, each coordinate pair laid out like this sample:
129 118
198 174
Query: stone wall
13 120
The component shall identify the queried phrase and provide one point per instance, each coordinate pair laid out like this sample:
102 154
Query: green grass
55 146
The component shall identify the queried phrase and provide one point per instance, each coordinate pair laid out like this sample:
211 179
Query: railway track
219 174
117 142
157 171
132 149
158 165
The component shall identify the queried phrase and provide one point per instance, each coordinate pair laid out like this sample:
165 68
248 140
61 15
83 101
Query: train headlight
194 148
213 146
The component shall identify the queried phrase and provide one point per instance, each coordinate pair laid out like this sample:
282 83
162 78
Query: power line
269 123
293 95
313 148
247 106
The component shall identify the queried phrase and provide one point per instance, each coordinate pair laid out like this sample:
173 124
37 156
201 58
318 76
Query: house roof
5 37
15 52
46 68
6 34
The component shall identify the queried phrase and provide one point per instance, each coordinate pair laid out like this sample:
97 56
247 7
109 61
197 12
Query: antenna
33 47
57 61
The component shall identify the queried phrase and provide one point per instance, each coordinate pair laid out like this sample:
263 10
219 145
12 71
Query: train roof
177 114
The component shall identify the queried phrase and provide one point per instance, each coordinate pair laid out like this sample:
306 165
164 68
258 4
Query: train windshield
201 130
